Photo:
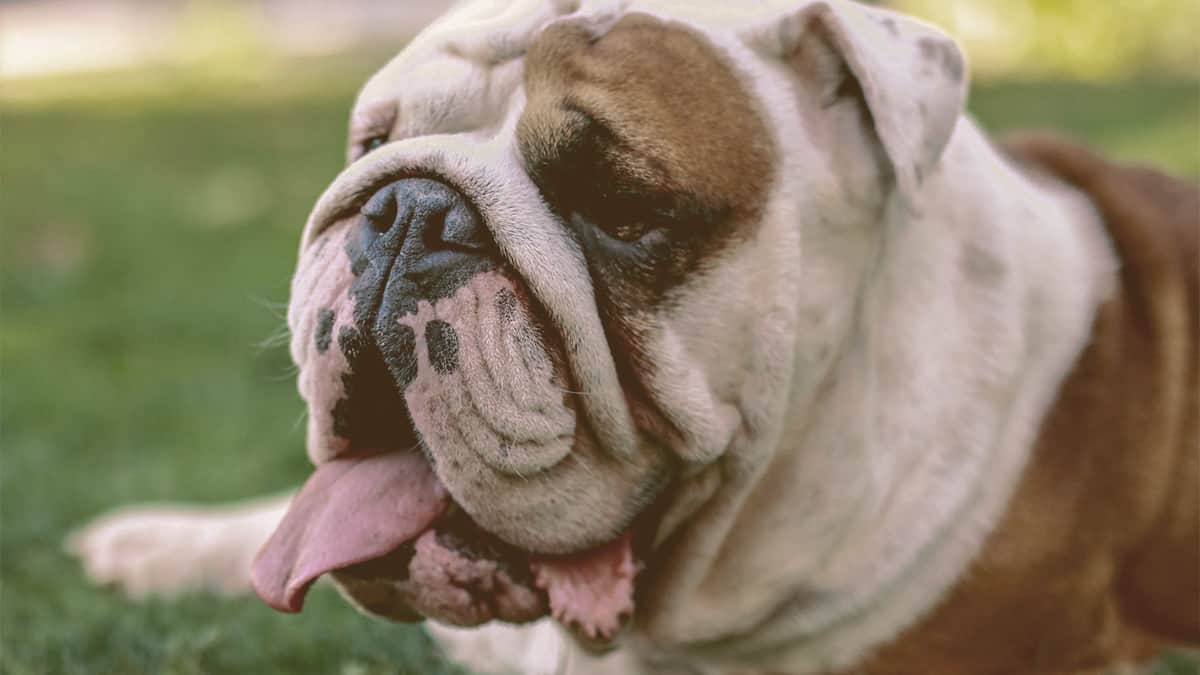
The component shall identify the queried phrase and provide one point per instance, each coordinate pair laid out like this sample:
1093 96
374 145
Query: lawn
149 226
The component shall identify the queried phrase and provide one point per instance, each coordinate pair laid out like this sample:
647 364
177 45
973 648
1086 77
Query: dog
716 338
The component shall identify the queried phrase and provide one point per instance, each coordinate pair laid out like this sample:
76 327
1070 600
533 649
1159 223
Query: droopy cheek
486 385
320 314
475 373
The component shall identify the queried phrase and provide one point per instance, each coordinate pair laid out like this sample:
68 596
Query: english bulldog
714 338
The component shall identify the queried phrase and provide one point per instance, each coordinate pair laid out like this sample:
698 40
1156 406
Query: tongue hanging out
350 511
356 510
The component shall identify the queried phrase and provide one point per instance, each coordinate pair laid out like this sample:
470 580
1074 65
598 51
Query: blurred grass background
150 214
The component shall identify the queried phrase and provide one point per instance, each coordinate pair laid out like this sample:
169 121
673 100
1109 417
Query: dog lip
569 587
454 571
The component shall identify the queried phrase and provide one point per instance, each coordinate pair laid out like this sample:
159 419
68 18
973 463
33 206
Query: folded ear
912 76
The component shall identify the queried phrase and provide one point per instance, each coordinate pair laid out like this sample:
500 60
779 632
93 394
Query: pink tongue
591 591
350 511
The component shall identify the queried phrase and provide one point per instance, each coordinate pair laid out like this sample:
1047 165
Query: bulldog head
584 258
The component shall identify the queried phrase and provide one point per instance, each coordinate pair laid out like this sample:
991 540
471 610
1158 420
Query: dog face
561 281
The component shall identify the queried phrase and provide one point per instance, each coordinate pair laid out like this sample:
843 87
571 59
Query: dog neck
892 469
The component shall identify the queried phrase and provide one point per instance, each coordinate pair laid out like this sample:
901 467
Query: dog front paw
166 550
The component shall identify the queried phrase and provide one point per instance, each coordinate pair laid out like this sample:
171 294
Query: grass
147 242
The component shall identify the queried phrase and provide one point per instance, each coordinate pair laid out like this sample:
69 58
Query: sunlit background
157 158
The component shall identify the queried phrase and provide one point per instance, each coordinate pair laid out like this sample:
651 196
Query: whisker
288 374
585 464
276 340
278 309
300 420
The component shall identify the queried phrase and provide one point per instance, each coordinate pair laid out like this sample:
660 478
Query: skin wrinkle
495 415
488 353
526 341
515 330
485 348
437 429
461 395
493 418
518 387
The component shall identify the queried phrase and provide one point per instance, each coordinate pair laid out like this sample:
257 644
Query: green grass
144 260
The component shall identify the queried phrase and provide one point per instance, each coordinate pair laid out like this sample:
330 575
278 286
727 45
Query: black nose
433 228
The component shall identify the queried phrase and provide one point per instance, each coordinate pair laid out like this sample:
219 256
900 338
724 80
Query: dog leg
166 549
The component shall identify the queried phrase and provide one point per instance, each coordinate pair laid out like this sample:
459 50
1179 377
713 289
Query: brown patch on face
647 135
680 119
647 144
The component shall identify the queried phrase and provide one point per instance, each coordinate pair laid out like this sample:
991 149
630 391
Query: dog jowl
437 345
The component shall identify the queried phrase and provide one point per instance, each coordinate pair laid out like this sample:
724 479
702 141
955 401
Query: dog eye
373 143
631 218
627 232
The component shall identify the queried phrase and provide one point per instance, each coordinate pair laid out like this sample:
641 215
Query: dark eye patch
590 172
647 147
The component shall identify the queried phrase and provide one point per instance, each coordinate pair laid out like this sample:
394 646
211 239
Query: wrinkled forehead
461 71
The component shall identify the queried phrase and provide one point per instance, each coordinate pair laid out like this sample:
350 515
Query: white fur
900 353
540 648
170 549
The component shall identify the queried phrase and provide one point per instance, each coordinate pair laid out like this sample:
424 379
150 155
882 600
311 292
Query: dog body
734 346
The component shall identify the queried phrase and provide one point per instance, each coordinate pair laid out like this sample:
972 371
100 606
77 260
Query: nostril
433 224
461 229
376 217
380 211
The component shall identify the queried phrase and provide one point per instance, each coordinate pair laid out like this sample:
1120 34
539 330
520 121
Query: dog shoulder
1099 547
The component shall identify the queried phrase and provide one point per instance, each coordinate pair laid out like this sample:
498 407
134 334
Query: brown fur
630 138
1098 558
682 119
